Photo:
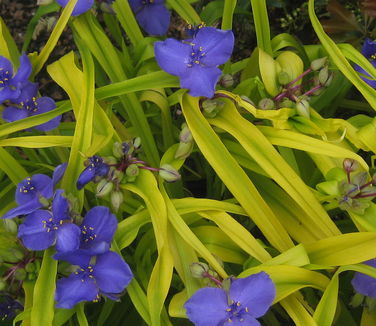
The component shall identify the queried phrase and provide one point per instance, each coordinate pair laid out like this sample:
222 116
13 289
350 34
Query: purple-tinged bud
132 171
266 104
110 160
104 187
283 78
117 150
286 103
198 270
184 150
185 135
319 63
30 267
227 81
117 199
211 108
302 108
20 274
350 165
168 173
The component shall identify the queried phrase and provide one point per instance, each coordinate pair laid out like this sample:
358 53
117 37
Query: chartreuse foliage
282 186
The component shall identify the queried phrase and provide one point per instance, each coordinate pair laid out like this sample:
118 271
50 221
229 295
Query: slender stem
311 91
212 278
301 76
150 168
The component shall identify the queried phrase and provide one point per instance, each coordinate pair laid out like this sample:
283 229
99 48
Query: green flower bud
137 142
319 63
198 270
132 171
302 108
117 199
20 274
266 104
350 165
31 276
44 2
226 81
18 254
3 285
168 173
185 135
286 103
117 149
104 187
10 225
30 267
117 175
110 160
283 78
357 300
184 150
211 108
325 77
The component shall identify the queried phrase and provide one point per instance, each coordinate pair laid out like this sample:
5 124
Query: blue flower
96 232
109 276
196 61
41 229
32 193
364 284
10 86
8 307
30 105
247 299
80 7
96 167
152 15
369 51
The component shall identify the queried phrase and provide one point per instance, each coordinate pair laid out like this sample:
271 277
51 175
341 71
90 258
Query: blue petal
200 81
42 187
9 94
81 6
71 290
217 45
173 56
207 307
104 223
367 77
369 48
256 292
85 177
6 65
365 284
60 207
24 70
112 273
77 257
136 5
154 19
28 91
24 209
58 173
46 104
246 320
67 237
12 113
33 233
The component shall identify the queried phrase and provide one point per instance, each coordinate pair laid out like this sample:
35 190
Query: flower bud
10 225
184 150
283 78
137 142
211 108
110 160
117 175
325 76
286 103
30 267
3 285
198 270
185 135
117 199
132 171
20 274
302 108
104 187
117 150
168 173
357 300
319 63
18 254
226 81
350 165
266 104
44 2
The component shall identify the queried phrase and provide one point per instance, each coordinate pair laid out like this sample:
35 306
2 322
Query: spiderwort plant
28 104
247 299
81 6
364 284
106 274
196 61
152 15
369 51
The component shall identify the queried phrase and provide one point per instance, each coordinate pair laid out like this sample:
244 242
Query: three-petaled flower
152 15
80 7
196 61
107 274
364 284
96 167
30 105
10 85
42 229
247 299
369 51
33 193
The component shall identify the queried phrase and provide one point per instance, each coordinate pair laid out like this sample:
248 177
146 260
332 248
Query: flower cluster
110 172
86 244
20 96
195 61
369 51
245 300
